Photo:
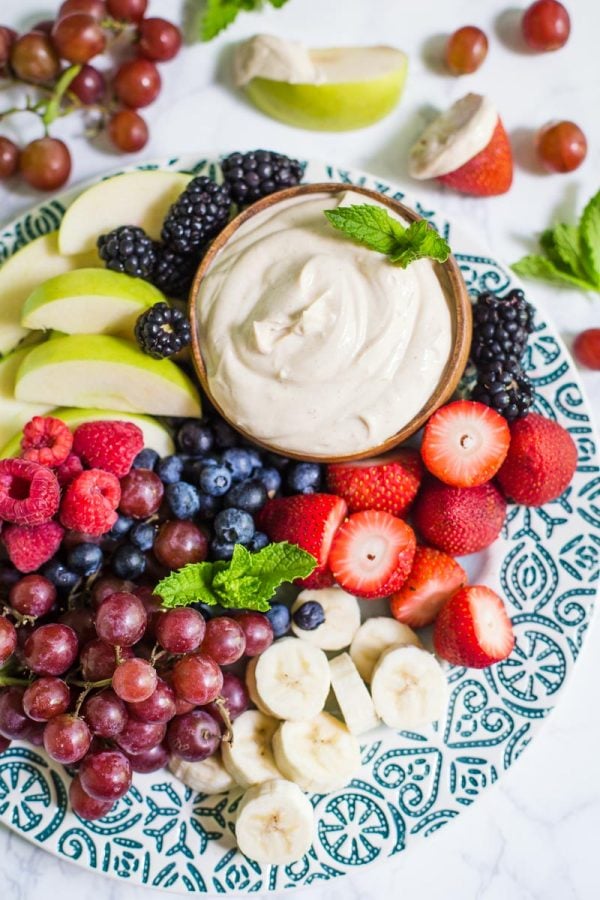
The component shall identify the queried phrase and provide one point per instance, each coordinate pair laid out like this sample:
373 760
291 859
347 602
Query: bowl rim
449 275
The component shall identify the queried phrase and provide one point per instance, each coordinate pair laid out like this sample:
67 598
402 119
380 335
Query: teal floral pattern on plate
546 565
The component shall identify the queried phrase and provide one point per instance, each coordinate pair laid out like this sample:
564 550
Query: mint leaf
191 584
566 250
219 14
377 230
278 3
544 269
589 233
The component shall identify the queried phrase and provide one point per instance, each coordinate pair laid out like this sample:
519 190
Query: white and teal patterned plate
546 566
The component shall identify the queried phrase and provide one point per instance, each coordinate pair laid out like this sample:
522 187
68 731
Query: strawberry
487 173
465 443
540 463
372 554
473 629
389 483
459 520
309 520
434 577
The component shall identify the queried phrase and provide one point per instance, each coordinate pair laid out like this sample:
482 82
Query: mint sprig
219 14
373 227
571 253
247 581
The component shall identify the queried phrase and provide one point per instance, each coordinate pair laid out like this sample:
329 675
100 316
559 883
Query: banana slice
409 687
208 776
275 823
248 757
250 677
342 618
291 679
352 695
373 637
320 755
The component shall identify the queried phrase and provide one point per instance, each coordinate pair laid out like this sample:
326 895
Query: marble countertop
535 834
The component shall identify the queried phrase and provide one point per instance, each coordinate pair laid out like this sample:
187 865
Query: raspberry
67 471
46 441
29 493
30 546
108 445
90 501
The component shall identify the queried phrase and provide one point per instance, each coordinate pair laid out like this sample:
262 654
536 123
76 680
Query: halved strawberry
309 520
489 172
473 629
389 483
434 577
465 443
372 553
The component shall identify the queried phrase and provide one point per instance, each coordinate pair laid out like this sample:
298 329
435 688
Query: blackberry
197 215
174 272
505 388
128 249
162 331
258 173
501 326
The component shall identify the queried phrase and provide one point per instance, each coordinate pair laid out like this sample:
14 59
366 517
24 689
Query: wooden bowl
450 279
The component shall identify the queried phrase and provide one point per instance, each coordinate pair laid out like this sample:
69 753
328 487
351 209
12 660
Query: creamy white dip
314 343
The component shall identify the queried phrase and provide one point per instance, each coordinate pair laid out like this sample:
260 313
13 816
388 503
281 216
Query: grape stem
10 680
19 618
224 713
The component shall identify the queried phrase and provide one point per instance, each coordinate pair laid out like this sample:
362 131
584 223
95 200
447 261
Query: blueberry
221 549
195 437
277 461
258 542
85 559
225 436
280 618
128 562
120 528
142 535
63 579
215 480
304 478
248 495
234 526
170 469
193 467
208 506
146 459
183 499
271 479
309 616
255 457
239 461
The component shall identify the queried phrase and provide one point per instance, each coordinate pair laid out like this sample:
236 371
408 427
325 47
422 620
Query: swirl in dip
313 343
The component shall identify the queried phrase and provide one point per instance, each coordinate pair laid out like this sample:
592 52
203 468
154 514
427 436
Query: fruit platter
239 650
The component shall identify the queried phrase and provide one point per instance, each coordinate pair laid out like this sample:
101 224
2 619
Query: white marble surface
534 835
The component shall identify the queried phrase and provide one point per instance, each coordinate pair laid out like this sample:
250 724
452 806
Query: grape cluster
55 57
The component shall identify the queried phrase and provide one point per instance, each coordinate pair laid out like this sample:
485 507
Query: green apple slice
333 89
14 413
90 301
96 370
22 272
133 198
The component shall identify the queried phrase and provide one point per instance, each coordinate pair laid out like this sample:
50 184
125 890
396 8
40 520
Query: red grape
137 736
89 86
235 695
8 639
7 38
33 58
127 10
180 630
546 25
141 494
258 632
96 8
14 723
225 641
105 713
9 157
45 698
107 585
183 706
51 649
97 660
197 679
466 50
66 738
194 736
134 680
5 743
32 595
150 760
85 806
586 348
561 146
45 26
81 620
136 84
160 40
121 619
45 164
105 775
158 707
179 543
128 131
78 38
